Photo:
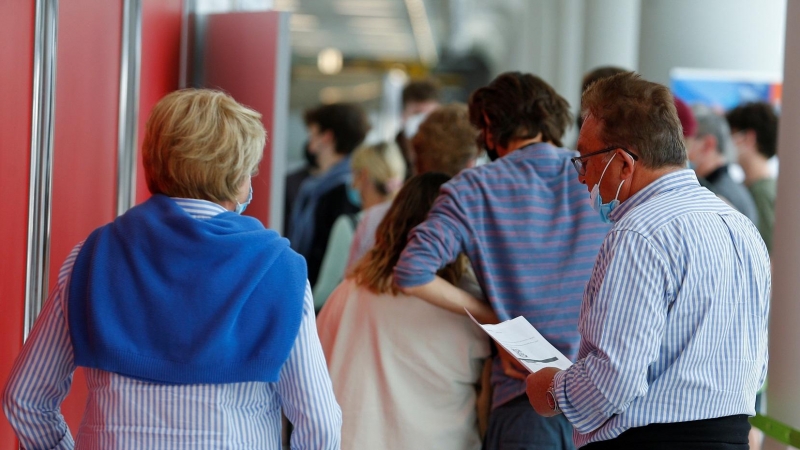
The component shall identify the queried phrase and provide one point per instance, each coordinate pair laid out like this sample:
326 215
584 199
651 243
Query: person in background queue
754 127
444 142
378 174
334 131
711 153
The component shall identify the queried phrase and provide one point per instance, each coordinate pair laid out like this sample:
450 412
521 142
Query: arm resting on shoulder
444 295
433 244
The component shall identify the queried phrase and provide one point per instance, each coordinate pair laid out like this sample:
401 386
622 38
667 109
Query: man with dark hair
293 182
334 131
674 318
711 151
529 233
420 98
755 134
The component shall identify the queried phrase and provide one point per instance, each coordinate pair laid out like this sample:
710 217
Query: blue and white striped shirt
124 413
674 319
531 235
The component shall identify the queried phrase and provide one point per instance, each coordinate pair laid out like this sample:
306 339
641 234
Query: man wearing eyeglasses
674 319
530 235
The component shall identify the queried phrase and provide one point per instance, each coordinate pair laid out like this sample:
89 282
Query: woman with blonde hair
194 324
378 172
404 370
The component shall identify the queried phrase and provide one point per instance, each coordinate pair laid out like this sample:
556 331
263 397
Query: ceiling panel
404 30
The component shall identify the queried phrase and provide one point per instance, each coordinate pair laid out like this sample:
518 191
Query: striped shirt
674 319
124 413
526 224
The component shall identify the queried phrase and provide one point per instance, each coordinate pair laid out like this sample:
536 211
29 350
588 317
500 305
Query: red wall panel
161 37
241 52
16 75
84 155
84 166
84 175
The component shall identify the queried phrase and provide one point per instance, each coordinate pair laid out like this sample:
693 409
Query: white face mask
412 123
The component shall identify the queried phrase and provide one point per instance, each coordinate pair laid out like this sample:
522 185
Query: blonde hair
384 164
201 143
409 209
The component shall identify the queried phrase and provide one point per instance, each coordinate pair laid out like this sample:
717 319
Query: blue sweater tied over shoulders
160 296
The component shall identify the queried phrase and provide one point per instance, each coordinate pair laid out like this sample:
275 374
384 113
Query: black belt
723 433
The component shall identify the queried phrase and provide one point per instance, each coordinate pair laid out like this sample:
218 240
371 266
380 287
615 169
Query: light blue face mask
604 209
240 207
353 195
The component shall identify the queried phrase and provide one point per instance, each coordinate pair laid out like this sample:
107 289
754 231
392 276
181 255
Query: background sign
723 90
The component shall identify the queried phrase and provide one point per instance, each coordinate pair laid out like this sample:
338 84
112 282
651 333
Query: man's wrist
550 395
559 389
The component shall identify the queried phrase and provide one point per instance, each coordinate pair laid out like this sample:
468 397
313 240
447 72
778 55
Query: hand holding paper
524 342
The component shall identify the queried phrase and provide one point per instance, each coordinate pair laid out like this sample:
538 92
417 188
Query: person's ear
710 143
628 164
328 138
750 138
363 175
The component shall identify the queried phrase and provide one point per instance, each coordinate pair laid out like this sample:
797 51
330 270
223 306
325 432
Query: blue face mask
240 207
604 209
353 195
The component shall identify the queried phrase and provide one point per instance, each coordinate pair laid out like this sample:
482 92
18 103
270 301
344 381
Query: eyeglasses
580 163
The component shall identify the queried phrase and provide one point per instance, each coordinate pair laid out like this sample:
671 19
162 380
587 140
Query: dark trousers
724 433
516 426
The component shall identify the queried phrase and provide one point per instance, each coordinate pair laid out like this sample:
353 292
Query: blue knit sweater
161 296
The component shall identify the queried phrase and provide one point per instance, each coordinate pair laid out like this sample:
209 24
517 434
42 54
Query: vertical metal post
128 123
41 177
280 119
186 44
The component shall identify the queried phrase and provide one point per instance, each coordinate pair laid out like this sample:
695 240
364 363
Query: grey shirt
721 183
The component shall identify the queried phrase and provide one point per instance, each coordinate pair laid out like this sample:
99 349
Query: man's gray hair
709 122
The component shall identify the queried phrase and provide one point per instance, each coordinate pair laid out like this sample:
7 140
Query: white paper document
519 338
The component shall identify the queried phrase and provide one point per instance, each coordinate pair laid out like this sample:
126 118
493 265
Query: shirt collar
199 209
671 181
538 146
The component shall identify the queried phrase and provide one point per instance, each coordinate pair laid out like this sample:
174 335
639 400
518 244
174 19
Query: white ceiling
398 30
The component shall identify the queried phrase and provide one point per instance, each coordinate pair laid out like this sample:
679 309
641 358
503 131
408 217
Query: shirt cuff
559 390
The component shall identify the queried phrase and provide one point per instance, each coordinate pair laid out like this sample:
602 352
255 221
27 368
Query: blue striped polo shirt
526 224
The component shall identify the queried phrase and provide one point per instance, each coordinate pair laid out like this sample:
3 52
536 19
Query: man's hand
538 384
511 367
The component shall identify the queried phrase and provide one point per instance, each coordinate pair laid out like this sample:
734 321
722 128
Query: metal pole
41 176
128 122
